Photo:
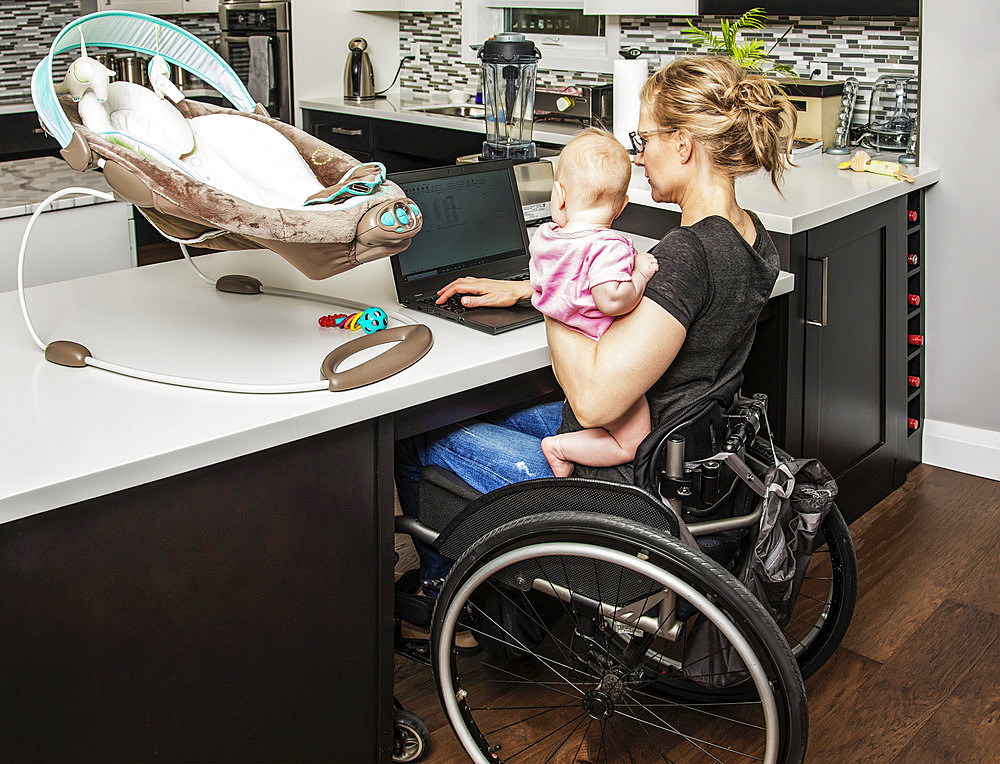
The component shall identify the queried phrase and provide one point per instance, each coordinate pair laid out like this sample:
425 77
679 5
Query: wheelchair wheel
826 600
553 684
410 737
822 612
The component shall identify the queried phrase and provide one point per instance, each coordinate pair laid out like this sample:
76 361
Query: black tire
410 738
560 686
835 566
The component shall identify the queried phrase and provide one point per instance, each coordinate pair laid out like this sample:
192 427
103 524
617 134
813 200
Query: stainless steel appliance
509 64
590 105
359 77
256 41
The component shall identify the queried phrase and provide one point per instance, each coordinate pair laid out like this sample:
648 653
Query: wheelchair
585 603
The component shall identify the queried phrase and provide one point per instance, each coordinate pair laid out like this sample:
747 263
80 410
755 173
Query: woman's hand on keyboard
483 293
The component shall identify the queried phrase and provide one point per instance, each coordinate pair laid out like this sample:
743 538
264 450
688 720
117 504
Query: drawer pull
38 131
823 302
343 130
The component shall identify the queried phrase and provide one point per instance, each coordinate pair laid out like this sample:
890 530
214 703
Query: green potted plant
749 54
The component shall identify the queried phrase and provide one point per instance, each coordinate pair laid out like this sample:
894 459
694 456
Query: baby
584 274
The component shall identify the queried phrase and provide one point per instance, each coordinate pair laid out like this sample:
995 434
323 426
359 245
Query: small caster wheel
410 737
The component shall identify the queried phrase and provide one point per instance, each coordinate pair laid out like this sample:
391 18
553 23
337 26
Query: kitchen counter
815 191
25 183
126 431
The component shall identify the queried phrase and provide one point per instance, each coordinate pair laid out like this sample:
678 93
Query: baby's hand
646 264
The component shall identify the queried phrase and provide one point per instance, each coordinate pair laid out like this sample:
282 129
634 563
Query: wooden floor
917 677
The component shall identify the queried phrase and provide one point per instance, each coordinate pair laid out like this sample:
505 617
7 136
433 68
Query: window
533 21
567 38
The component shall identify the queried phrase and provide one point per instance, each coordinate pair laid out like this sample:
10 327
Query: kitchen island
204 575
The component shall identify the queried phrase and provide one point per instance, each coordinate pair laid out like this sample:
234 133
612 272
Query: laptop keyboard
454 303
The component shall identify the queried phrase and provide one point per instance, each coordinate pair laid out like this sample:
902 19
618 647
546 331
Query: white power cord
153 376
24 245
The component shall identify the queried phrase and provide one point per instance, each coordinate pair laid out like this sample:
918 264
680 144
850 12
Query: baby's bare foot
560 467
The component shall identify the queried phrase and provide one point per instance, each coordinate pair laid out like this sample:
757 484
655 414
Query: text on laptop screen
468 220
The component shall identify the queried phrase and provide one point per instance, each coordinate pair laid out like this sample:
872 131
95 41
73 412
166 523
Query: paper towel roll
629 75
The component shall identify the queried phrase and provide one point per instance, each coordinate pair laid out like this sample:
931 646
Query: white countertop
77 433
815 191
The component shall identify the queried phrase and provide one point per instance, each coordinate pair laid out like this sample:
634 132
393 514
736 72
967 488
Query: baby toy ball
370 321
374 320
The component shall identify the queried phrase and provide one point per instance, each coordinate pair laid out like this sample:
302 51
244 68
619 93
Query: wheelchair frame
662 615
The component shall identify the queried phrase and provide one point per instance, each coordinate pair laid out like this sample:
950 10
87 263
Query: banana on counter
863 162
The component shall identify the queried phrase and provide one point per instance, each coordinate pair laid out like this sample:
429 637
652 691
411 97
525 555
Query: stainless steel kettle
359 78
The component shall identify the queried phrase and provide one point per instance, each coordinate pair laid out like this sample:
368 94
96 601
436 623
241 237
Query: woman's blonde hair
595 168
739 118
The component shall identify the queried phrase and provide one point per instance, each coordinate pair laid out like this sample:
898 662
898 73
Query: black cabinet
852 407
351 134
406 146
24 138
841 378
398 145
815 7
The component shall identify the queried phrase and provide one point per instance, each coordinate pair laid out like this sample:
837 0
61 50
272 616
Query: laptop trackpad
502 316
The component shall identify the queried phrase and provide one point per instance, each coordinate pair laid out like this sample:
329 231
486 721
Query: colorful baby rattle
370 320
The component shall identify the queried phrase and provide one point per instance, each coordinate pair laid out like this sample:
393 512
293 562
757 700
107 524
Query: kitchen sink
467 110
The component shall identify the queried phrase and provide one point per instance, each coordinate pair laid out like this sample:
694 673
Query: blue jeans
486 453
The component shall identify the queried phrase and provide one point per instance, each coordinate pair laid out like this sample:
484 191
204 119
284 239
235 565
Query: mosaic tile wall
27 28
841 46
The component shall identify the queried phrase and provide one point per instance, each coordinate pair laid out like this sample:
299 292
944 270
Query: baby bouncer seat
222 178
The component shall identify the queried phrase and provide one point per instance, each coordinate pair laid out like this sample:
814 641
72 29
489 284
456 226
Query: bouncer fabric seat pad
200 206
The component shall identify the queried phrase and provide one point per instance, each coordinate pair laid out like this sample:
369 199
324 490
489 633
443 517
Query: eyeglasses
639 138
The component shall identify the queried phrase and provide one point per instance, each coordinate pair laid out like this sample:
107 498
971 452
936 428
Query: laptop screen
472 216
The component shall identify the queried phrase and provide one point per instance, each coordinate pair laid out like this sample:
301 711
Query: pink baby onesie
566 265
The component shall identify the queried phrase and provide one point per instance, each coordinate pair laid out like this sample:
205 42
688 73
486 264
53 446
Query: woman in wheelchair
586 581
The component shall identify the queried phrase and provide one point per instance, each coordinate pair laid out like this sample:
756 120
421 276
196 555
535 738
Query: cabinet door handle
343 130
823 300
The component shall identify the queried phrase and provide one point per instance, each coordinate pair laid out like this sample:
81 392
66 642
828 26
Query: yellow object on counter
862 162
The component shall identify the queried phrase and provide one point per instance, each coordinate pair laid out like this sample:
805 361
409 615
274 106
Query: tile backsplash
838 46
28 27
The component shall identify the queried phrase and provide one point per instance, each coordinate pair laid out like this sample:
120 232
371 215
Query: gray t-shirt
715 285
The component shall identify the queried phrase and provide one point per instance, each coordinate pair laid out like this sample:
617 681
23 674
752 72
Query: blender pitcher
509 63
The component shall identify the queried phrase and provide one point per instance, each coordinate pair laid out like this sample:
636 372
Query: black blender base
517 153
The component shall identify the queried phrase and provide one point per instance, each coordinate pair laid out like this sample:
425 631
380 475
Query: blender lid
509 47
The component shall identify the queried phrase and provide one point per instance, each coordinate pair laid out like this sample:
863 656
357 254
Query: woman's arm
602 379
482 293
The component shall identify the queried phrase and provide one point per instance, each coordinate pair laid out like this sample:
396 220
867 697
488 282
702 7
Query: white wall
960 134
321 30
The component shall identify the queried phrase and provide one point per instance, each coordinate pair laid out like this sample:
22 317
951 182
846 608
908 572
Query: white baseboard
961 448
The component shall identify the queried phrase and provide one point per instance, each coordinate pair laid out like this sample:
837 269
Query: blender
509 64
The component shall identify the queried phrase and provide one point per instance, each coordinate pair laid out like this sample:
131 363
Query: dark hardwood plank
876 721
965 727
981 587
910 558
839 676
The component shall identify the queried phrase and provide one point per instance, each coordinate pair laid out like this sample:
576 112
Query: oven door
236 50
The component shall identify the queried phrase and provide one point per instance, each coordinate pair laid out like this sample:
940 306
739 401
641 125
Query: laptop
473 226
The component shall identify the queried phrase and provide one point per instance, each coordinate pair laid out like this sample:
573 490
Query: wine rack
915 341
